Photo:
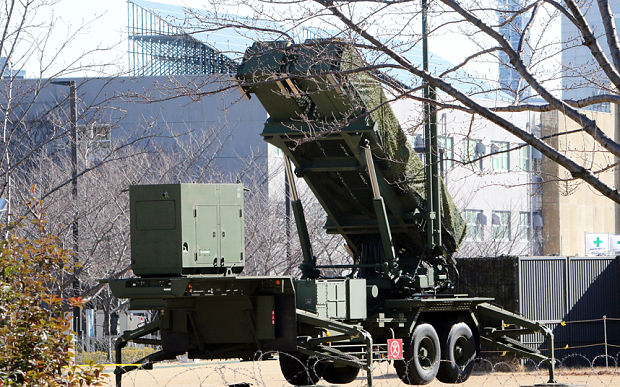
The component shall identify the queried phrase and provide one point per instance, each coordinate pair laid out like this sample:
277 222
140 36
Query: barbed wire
266 373
495 368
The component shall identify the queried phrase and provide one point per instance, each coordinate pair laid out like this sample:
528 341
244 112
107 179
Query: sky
88 25
103 24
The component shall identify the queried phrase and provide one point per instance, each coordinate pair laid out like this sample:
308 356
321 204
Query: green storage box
184 229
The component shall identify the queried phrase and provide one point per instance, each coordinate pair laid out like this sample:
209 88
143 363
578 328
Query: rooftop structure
159 47
167 39
8 72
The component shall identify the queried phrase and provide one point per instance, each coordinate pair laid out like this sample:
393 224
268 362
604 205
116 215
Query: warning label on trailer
395 349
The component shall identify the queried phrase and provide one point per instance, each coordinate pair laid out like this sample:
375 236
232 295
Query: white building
490 174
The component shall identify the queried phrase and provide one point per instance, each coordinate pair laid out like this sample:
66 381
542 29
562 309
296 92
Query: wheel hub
461 349
426 354
458 353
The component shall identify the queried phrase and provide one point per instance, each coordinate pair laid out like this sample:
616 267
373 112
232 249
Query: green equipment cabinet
184 229
343 299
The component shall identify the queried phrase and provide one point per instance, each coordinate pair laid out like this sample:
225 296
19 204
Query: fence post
605 334
109 345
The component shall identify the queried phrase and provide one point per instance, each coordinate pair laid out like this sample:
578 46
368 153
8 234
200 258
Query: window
501 225
277 152
471 152
525 231
524 158
447 144
499 155
94 141
417 143
475 223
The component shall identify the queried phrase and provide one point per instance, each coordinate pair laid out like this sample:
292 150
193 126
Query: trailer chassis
496 327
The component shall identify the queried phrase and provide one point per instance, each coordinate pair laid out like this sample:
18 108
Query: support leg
369 357
118 346
550 345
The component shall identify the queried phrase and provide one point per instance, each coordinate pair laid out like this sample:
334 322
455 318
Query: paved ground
267 374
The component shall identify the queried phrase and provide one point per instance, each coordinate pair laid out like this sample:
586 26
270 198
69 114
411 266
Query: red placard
395 349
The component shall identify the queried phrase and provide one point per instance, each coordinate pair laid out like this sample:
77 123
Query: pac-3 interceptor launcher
333 122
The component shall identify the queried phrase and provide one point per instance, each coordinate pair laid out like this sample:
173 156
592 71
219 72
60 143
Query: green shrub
96 357
34 327
134 354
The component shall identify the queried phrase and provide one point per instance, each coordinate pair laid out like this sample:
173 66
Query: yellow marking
104 365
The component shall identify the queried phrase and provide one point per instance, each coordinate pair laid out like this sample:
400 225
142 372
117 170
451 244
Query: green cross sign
598 241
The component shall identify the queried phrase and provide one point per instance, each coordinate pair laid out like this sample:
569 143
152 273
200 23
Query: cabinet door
207 236
232 234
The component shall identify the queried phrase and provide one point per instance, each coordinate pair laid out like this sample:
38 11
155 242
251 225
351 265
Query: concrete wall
160 108
572 208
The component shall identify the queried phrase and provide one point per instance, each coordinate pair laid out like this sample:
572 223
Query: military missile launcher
334 125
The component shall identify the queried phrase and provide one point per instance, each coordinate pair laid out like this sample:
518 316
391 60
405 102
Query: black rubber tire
458 352
422 356
299 369
339 375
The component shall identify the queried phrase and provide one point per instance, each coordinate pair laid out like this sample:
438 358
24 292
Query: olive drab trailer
334 125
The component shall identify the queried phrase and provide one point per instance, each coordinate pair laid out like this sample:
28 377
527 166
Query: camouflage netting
395 145
316 66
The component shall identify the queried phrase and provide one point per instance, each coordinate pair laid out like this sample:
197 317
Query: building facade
571 207
512 27
581 75
492 175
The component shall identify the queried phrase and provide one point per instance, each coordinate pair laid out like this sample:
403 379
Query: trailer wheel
339 375
422 355
299 369
458 352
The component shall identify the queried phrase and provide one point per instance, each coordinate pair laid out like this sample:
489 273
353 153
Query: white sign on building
614 243
597 243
